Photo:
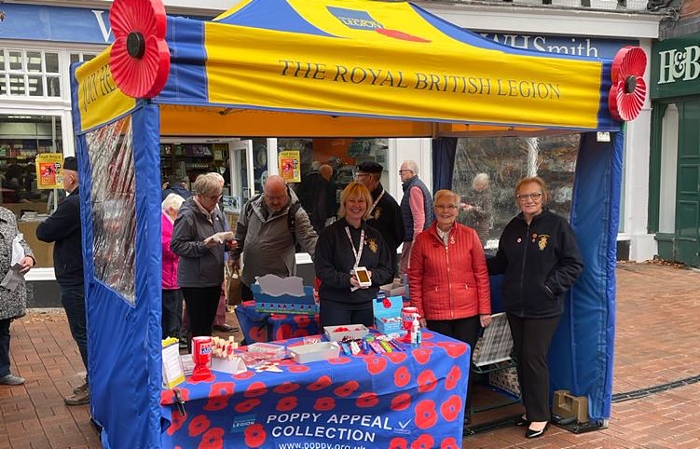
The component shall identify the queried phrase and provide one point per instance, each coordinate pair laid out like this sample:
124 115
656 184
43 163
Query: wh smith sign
675 67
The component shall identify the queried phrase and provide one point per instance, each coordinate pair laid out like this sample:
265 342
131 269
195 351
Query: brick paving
657 335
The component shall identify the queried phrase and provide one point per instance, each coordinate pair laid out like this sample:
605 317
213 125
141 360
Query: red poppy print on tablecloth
402 376
216 403
244 375
453 377
320 383
176 422
451 408
346 389
167 397
286 388
247 406
424 441
300 333
219 395
426 416
375 365
401 402
284 331
212 439
396 357
139 58
422 355
426 381
287 404
255 435
367 400
453 349
449 443
302 320
198 425
324 404
255 390
398 443
298 368
258 334
341 360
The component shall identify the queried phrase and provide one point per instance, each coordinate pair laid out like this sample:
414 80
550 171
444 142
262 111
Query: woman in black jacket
540 260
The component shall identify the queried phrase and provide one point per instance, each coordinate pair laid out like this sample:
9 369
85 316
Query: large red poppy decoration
139 59
628 89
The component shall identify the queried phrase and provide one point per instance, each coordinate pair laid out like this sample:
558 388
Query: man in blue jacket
63 228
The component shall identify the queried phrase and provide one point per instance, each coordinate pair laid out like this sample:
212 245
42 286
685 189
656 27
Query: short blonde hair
448 195
533 180
172 201
206 185
354 190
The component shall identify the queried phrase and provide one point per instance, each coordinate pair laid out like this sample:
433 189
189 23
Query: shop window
29 73
22 138
508 159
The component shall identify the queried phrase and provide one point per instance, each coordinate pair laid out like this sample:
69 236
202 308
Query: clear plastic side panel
113 206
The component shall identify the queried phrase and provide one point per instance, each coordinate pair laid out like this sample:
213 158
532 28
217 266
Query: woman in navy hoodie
540 260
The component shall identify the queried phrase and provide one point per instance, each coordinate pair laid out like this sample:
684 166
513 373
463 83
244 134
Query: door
687 247
241 173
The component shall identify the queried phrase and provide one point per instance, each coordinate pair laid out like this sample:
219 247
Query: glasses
215 197
529 196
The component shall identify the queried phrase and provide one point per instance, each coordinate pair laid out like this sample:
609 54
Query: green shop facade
674 206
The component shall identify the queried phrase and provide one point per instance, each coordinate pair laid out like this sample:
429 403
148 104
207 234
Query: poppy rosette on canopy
139 58
628 89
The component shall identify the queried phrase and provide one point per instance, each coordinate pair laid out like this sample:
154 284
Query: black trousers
171 319
466 330
531 340
335 314
246 293
201 305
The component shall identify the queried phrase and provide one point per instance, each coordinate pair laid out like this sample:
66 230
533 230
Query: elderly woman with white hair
171 319
448 278
201 267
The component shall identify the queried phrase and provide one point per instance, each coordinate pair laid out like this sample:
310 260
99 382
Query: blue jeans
73 299
5 347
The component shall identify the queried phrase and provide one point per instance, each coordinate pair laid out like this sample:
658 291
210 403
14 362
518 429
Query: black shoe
522 422
529 433
225 328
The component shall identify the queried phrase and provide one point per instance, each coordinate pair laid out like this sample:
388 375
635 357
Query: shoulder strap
292 219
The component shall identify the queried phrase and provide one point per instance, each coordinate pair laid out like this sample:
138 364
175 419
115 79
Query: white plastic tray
314 352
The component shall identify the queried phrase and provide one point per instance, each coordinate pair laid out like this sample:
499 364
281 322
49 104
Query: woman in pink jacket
448 279
171 319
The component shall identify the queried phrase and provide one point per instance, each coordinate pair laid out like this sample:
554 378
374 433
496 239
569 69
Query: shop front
675 164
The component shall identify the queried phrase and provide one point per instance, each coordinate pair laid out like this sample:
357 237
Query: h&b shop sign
675 67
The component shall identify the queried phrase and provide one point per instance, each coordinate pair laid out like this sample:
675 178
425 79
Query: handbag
233 286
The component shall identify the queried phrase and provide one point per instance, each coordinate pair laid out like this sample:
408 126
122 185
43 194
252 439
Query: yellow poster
289 166
48 171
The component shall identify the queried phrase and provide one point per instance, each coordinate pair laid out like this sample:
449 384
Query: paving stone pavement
656 344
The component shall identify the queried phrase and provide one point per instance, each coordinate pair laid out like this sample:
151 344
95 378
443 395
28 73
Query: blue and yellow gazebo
320 68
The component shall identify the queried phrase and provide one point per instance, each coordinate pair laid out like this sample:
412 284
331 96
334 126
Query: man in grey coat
264 236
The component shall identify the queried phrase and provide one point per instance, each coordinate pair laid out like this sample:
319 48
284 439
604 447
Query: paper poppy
139 58
628 89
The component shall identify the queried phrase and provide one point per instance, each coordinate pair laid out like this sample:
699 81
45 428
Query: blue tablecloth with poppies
411 399
263 327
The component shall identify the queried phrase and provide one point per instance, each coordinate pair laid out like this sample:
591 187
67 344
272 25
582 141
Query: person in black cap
384 212
63 228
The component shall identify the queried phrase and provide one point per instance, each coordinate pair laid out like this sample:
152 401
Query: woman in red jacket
448 279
